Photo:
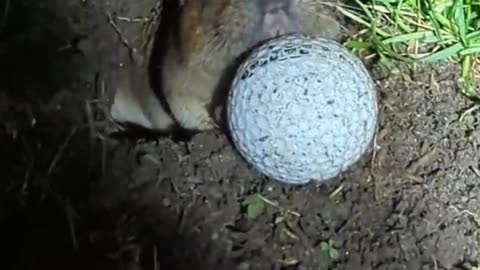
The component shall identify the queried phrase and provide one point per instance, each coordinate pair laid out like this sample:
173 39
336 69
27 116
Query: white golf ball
302 108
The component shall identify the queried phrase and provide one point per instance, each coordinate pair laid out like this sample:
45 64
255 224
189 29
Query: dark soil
75 198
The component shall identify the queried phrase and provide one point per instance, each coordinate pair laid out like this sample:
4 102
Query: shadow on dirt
50 164
37 48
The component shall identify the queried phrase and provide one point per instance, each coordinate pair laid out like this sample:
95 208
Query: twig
90 120
469 111
475 171
70 213
26 180
274 204
435 263
469 213
6 10
117 30
61 151
133 20
104 102
155 258
336 191
375 149
153 159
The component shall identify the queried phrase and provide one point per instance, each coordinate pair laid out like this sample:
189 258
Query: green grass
419 32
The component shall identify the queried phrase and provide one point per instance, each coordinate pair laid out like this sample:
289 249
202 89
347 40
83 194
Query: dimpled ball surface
302 109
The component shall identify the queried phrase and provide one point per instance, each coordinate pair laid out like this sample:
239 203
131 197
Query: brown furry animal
202 52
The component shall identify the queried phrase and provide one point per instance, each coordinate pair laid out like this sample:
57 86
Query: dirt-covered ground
74 198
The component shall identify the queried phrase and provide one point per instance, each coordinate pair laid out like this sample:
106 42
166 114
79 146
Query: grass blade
412 37
443 54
